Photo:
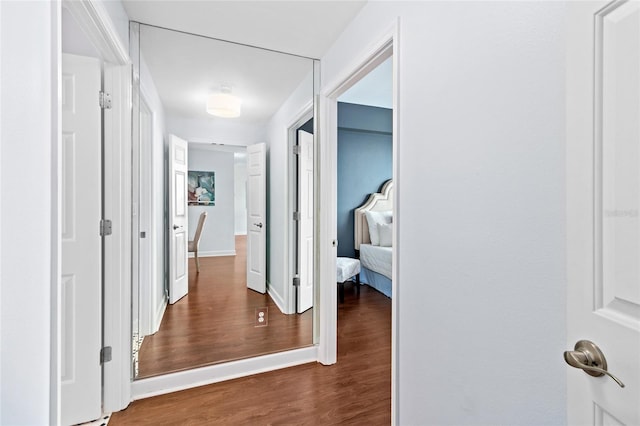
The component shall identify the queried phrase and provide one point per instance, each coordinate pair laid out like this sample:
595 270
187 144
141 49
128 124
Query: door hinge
105 100
105 354
296 281
296 215
105 227
297 149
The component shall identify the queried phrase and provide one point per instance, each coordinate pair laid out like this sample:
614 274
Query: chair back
196 238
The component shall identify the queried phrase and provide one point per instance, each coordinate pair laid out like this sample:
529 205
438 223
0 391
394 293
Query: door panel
81 202
256 214
603 229
178 226
305 224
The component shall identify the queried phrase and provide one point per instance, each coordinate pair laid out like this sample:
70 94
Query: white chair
346 269
193 244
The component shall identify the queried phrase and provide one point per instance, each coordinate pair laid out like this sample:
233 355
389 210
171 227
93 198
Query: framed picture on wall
201 188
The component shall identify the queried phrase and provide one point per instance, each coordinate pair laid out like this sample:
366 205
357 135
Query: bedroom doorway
371 130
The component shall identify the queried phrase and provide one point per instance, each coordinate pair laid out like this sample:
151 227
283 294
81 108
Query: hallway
356 390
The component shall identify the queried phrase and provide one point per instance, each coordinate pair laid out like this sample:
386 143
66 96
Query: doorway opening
375 55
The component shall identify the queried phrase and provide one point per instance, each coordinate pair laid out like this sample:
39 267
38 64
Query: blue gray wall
364 162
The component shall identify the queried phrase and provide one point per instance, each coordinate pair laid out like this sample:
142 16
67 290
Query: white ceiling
186 68
306 28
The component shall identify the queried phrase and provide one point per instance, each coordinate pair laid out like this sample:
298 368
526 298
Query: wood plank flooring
356 390
215 322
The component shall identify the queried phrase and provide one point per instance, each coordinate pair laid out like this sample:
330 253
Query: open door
81 308
305 224
256 214
178 220
603 205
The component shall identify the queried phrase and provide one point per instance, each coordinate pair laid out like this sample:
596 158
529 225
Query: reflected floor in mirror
215 322
356 390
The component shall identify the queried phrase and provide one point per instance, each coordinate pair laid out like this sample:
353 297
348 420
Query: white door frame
304 115
96 24
370 57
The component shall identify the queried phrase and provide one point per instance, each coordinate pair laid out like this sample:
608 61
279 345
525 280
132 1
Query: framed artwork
201 188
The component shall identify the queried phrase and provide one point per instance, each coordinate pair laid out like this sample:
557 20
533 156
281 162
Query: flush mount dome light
224 104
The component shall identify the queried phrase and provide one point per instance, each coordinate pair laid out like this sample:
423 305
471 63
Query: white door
81 200
178 220
603 205
305 224
256 214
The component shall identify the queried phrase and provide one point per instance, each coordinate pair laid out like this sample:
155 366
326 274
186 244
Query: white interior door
603 205
178 223
81 307
305 224
256 214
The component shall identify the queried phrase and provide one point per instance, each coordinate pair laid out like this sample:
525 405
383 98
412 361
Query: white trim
96 24
159 315
215 253
370 57
302 116
55 391
187 379
277 299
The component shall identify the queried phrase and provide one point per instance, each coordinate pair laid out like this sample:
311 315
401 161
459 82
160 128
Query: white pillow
385 233
373 218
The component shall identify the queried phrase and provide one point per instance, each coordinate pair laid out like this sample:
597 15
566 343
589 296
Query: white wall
26 227
215 130
481 291
149 93
218 235
119 18
240 193
278 188
73 38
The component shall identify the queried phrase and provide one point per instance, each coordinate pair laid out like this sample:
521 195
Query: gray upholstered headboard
377 202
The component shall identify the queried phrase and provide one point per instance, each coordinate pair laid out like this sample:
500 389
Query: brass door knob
588 357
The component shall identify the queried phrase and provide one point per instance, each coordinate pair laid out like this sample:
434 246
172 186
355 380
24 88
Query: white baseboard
277 298
214 253
188 379
159 314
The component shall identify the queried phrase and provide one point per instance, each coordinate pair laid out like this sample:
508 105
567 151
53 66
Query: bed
375 256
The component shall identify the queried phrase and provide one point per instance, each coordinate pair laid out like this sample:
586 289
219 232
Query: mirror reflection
223 177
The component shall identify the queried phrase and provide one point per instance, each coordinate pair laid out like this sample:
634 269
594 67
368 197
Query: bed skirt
376 280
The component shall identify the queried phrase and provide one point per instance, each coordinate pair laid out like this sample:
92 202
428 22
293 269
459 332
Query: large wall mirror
223 151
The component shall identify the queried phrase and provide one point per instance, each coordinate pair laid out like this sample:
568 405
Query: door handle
588 357
176 227
259 225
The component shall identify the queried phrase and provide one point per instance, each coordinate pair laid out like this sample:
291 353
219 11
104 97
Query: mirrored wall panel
223 201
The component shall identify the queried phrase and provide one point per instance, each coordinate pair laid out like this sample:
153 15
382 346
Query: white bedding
376 258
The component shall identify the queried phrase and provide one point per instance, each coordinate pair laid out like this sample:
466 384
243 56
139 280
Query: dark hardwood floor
215 322
356 390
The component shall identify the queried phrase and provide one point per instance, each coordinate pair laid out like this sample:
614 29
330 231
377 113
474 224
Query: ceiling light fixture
224 104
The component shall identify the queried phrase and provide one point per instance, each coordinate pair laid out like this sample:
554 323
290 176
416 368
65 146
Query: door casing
387 45
305 114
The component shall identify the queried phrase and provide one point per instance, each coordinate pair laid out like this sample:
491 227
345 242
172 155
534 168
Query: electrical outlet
262 317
